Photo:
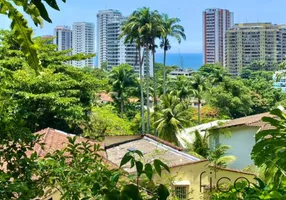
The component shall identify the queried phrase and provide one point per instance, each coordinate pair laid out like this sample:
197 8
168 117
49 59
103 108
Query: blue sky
189 11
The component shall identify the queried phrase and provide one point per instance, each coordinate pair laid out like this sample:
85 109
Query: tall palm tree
217 74
172 29
143 23
132 32
198 85
157 30
172 118
181 87
122 79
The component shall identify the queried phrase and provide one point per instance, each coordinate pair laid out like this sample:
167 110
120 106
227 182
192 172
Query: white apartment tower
83 41
110 48
215 23
63 38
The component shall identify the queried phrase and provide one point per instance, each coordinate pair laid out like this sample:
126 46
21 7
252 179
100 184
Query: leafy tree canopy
60 97
105 121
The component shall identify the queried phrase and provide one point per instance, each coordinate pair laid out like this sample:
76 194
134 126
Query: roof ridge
122 142
157 139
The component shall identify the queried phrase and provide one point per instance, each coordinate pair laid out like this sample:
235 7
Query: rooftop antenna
181 60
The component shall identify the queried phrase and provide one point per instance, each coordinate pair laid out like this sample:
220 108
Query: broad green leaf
126 158
278 113
272 121
157 167
130 192
132 162
139 153
53 4
163 192
158 164
275 195
43 11
148 171
139 167
115 177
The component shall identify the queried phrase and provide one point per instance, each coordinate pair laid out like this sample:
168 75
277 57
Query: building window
181 192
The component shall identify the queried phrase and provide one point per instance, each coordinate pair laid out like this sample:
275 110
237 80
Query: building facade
250 42
83 41
111 49
181 72
215 23
63 38
237 133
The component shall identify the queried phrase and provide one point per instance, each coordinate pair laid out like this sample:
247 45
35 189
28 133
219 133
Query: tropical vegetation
38 89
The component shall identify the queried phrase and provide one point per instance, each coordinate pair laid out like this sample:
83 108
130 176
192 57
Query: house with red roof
239 134
190 176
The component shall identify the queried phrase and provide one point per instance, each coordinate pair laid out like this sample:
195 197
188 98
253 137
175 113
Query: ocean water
184 60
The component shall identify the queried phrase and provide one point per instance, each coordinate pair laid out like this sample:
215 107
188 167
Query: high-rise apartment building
249 42
63 38
110 48
83 41
215 23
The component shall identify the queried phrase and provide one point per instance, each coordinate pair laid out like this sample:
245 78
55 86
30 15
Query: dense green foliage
19 25
124 85
60 97
172 116
241 96
269 149
38 89
105 121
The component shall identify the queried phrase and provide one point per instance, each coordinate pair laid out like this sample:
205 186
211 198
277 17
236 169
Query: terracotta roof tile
57 140
105 97
253 120
152 148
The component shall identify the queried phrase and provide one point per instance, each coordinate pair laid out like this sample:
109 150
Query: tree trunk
121 107
147 90
154 75
141 90
164 78
199 111
154 85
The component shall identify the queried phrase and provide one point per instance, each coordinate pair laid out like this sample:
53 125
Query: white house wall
241 141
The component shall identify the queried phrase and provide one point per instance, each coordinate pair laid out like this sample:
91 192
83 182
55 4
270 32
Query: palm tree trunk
154 84
141 90
147 90
154 75
121 108
199 111
164 78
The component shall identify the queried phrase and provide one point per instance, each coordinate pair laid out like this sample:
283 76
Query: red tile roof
252 121
57 140
105 97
